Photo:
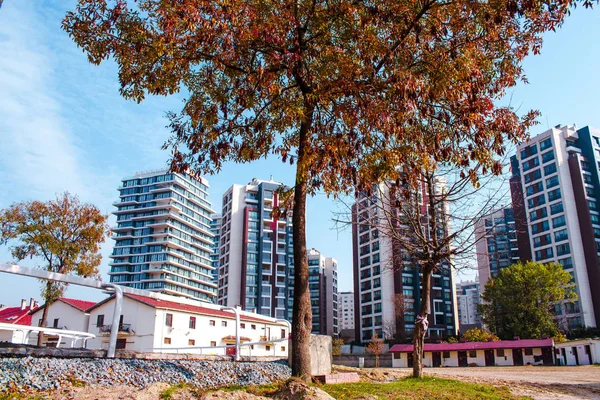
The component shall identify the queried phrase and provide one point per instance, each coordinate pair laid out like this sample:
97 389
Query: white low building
170 324
64 313
578 352
16 316
480 354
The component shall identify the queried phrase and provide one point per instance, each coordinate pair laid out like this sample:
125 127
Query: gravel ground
54 373
539 383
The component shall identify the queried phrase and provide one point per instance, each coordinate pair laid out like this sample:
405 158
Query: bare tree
428 222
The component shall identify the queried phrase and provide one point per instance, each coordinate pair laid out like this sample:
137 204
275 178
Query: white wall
140 316
579 346
69 317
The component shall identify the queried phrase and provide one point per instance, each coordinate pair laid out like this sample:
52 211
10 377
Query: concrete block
321 354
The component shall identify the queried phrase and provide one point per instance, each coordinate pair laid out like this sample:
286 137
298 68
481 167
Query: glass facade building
162 237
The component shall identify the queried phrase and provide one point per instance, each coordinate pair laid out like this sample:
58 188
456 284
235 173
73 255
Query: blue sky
64 127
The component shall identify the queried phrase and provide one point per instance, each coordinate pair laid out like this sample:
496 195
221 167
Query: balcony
123 329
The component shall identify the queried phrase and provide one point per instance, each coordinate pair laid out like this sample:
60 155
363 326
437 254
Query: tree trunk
40 338
302 314
419 329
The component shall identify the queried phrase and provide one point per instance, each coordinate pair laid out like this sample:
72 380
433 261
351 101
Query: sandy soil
539 383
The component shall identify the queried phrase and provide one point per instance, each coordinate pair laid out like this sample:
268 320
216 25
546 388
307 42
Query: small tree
479 335
376 347
337 344
520 300
63 234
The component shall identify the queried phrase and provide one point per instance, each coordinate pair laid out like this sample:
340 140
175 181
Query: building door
490 361
230 350
588 351
547 356
121 343
437 359
462 358
410 360
574 349
564 356
517 356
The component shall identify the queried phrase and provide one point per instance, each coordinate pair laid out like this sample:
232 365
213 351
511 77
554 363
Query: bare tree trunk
419 328
40 338
302 315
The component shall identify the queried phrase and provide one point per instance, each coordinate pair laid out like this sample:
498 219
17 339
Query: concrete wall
321 354
385 360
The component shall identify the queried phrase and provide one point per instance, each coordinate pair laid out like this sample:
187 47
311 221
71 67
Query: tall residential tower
323 293
556 194
256 265
387 283
162 238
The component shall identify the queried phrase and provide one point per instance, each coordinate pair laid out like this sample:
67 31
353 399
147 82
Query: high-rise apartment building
215 229
556 193
387 284
162 238
256 265
497 244
467 298
346 310
323 293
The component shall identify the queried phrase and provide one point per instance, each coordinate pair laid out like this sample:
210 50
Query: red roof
15 315
171 305
502 344
81 305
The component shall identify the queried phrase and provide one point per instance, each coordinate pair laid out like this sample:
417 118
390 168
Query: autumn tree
376 346
61 235
520 300
336 346
479 335
339 88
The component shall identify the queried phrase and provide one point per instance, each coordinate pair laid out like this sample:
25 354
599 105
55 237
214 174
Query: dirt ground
539 383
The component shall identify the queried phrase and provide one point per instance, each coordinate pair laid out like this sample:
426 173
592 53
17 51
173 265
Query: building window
192 322
559 221
167 340
528 352
211 322
191 342
550 169
169 319
472 354
283 333
556 208
100 320
282 348
55 323
545 144
563 249
500 352
213 344
267 348
243 325
446 354
253 327
223 323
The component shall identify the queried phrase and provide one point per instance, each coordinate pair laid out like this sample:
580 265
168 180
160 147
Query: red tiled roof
81 305
502 344
171 305
15 315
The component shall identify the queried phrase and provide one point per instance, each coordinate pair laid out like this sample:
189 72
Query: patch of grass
168 393
419 389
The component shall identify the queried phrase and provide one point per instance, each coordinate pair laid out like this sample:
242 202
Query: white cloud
39 157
